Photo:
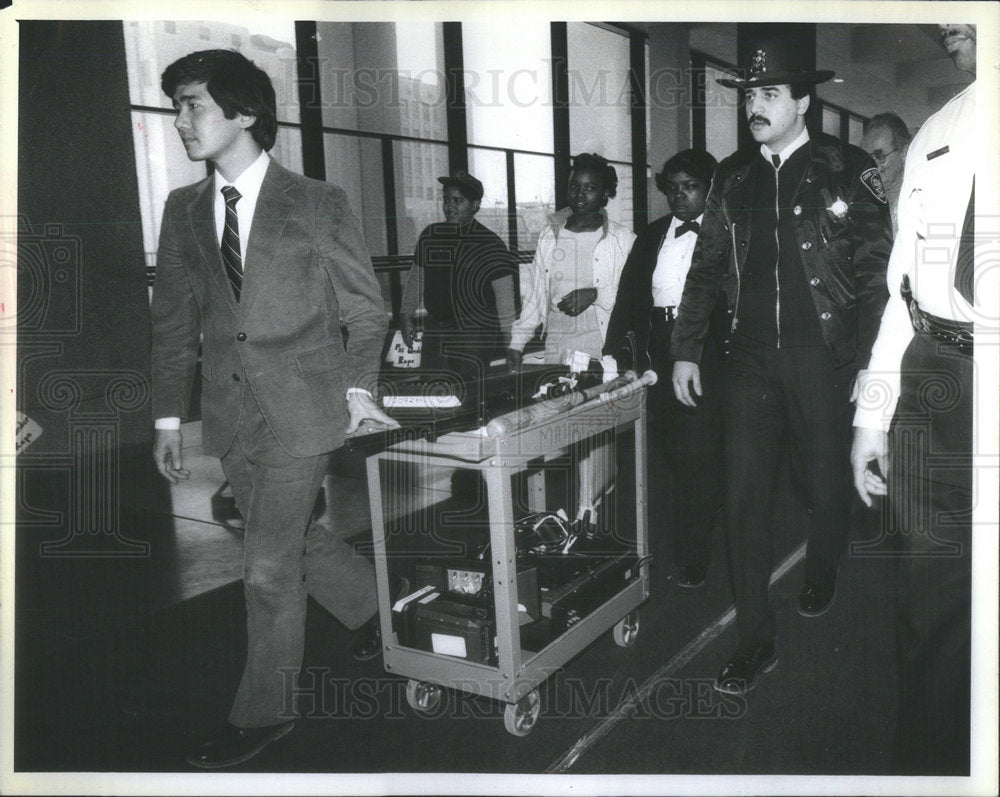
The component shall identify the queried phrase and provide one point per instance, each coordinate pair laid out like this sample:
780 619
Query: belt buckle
964 337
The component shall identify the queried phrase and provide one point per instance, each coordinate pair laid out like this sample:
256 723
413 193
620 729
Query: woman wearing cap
465 276
570 289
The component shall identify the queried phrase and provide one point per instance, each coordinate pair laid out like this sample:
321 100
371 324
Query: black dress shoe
369 642
743 670
691 576
236 745
816 598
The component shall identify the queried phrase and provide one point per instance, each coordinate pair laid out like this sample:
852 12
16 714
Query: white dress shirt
248 184
672 265
800 141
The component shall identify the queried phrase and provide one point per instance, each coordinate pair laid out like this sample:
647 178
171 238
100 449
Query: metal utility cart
406 478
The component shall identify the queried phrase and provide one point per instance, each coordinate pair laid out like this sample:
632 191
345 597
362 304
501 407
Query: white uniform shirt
937 180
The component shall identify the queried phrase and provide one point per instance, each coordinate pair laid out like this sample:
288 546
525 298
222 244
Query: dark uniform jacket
843 232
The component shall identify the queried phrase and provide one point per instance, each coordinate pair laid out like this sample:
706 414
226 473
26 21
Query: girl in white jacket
570 288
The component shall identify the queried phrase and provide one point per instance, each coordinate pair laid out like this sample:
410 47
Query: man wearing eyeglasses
886 139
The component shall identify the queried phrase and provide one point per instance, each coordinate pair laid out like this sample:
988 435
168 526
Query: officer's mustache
758 118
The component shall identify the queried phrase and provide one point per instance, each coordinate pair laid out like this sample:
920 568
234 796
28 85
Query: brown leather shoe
234 745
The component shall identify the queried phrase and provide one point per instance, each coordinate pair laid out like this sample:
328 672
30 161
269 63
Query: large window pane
831 121
620 207
383 77
418 193
161 166
855 130
287 149
599 96
508 91
355 164
151 46
535 194
490 168
721 115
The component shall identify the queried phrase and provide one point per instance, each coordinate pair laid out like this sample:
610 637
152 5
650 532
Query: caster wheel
626 630
422 697
520 717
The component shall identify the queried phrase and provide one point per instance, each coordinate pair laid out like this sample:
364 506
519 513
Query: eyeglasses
880 157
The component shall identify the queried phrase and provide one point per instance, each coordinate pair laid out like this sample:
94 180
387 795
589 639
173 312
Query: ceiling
880 67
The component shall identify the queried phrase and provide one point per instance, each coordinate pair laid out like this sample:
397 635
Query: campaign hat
774 61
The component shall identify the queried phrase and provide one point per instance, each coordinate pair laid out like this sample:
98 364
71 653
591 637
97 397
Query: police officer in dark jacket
797 235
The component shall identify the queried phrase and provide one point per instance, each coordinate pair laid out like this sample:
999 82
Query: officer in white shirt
914 421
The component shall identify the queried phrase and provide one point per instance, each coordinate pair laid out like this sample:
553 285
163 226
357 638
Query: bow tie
687 226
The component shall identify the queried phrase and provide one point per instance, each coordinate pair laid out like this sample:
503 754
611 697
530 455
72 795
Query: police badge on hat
872 180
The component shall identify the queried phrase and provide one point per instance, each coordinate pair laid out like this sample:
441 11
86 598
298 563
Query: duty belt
957 333
669 313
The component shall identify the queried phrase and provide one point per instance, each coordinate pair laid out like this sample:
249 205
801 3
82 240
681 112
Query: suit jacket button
814 281
236 377
806 245
825 316
241 337
797 210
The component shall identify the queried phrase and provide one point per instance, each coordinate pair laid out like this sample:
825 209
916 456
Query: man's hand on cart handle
362 407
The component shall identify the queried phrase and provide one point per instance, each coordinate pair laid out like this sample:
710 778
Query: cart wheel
626 630
422 697
520 717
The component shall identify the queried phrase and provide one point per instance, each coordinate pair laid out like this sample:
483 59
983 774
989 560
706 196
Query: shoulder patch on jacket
872 180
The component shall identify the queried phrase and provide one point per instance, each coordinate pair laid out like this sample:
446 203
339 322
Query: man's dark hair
235 83
591 160
897 128
800 90
696 162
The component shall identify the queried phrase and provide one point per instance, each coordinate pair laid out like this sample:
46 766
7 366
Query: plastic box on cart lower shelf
454 625
453 613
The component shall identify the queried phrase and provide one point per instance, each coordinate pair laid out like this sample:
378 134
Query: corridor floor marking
688 652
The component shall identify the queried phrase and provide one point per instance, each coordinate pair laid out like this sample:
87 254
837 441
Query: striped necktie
231 241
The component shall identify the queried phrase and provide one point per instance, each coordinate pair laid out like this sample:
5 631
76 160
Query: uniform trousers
791 401
285 558
930 493
691 439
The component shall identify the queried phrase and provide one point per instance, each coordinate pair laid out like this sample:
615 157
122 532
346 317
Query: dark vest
776 307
